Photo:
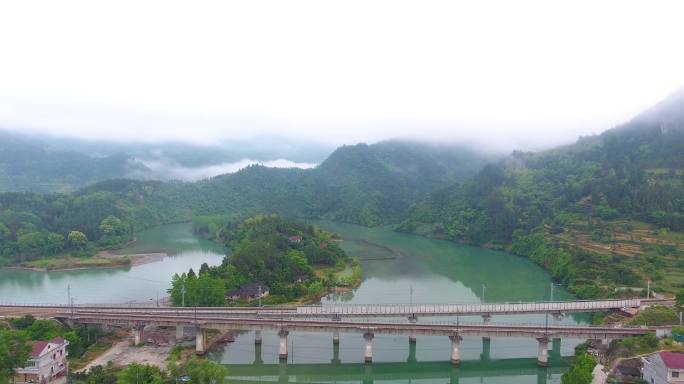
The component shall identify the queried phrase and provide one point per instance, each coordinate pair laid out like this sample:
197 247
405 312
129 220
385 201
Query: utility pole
183 293
552 285
411 295
484 288
259 295
648 288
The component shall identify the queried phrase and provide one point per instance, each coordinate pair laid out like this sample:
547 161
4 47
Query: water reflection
521 370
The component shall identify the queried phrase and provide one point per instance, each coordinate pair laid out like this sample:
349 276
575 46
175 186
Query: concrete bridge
259 319
341 311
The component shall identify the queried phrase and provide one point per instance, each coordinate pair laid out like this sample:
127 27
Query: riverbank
103 259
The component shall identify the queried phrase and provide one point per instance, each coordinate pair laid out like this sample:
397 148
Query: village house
48 361
664 368
248 292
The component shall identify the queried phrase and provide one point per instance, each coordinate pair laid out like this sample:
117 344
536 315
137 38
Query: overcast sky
515 73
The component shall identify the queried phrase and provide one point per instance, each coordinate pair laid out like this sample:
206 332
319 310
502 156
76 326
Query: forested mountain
598 213
365 184
25 165
57 164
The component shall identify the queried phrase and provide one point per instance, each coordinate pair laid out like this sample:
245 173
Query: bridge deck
344 310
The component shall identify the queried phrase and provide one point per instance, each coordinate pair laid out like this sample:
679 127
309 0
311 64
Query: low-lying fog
169 169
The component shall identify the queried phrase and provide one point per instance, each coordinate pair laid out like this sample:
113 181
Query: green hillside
362 184
603 213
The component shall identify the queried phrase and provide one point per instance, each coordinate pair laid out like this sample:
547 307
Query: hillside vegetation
604 213
362 184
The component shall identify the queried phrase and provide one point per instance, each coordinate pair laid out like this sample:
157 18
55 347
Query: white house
48 361
664 368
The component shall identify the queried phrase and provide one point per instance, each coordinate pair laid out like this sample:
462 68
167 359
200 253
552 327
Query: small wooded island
273 258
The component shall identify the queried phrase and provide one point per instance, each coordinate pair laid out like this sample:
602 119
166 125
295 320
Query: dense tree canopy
267 249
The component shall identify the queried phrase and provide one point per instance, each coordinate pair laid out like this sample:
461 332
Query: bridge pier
180 333
200 341
368 349
138 335
455 349
412 319
543 352
486 319
282 351
336 337
257 337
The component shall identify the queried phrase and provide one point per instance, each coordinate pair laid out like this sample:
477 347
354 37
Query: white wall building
664 368
48 361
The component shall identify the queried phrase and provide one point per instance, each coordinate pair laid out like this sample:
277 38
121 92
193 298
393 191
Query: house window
675 374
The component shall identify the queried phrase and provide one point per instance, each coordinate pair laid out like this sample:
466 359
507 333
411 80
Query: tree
77 239
203 371
680 297
101 375
580 371
4 232
112 226
14 352
54 243
204 268
31 242
143 374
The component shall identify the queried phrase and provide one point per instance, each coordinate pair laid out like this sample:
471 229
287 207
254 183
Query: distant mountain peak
669 113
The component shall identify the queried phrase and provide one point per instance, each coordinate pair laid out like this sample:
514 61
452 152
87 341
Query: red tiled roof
38 347
673 360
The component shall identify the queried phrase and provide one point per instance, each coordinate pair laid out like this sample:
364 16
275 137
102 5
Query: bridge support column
257 336
200 341
336 337
486 319
368 349
180 333
455 349
138 335
543 352
412 319
282 351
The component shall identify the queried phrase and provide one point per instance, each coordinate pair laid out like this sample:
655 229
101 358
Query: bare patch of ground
154 352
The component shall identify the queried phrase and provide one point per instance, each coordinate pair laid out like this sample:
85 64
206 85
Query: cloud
163 168
337 72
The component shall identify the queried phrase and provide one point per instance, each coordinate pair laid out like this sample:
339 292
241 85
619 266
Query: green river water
397 268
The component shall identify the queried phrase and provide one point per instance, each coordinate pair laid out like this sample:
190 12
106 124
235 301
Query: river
397 268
